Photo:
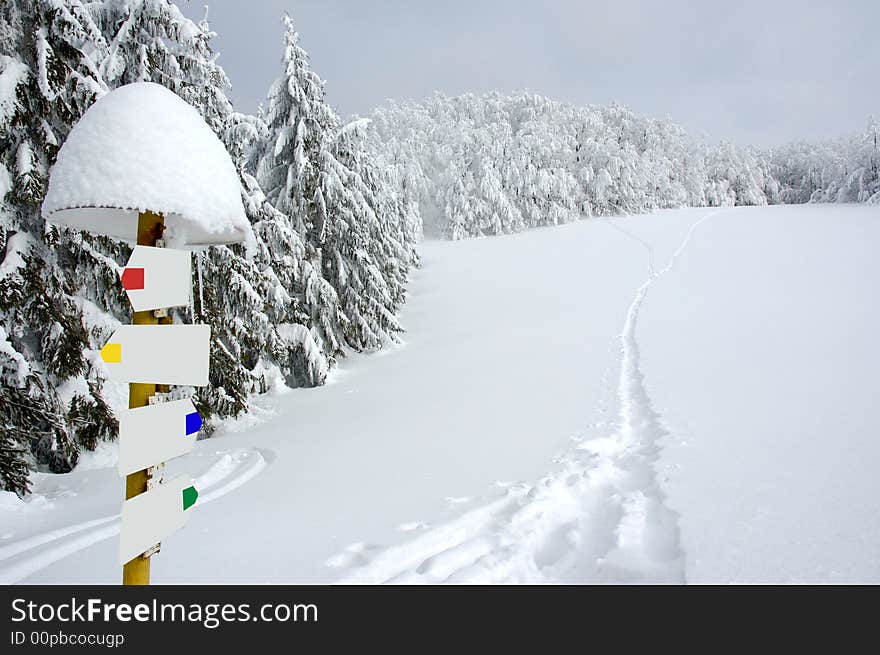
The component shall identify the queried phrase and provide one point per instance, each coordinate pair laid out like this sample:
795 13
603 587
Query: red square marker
132 279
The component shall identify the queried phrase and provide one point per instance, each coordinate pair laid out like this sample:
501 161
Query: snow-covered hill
683 396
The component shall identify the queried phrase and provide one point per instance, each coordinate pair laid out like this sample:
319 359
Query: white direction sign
153 515
159 354
156 278
156 433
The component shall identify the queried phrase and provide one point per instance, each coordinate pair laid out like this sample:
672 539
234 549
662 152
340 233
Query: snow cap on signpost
143 148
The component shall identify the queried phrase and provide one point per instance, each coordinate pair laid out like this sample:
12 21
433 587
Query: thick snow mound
141 147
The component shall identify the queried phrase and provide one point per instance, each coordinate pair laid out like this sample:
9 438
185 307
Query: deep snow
762 349
684 396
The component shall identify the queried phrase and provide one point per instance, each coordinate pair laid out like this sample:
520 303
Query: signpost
201 209
150 354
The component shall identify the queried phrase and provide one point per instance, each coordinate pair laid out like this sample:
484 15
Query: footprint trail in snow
601 518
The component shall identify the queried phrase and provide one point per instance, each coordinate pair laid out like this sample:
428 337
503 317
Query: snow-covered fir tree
281 266
152 41
288 168
51 397
372 250
357 245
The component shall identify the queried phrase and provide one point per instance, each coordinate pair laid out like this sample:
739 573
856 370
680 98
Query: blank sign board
156 278
160 354
156 433
151 516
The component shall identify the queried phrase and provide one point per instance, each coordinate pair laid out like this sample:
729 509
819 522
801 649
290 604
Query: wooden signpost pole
149 231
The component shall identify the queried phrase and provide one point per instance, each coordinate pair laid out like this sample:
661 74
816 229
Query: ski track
602 518
27 556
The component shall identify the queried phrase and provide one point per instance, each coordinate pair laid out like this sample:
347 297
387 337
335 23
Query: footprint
356 554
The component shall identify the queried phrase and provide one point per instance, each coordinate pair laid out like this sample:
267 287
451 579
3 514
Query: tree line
480 165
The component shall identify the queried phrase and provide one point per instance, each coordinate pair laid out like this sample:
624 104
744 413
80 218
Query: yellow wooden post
150 227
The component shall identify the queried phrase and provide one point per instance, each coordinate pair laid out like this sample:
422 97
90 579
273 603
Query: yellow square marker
112 353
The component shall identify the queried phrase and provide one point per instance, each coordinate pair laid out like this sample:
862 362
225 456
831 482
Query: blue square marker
193 422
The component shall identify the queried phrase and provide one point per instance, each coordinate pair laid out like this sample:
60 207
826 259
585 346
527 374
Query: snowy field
685 396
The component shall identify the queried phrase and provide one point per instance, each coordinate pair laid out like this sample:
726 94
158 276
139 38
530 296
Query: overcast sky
761 72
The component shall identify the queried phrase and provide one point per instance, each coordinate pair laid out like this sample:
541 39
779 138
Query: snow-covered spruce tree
399 223
281 268
152 41
371 254
51 396
357 246
288 170
253 301
14 469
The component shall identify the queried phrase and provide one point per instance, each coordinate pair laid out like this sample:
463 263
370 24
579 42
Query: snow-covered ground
761 350
685 396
